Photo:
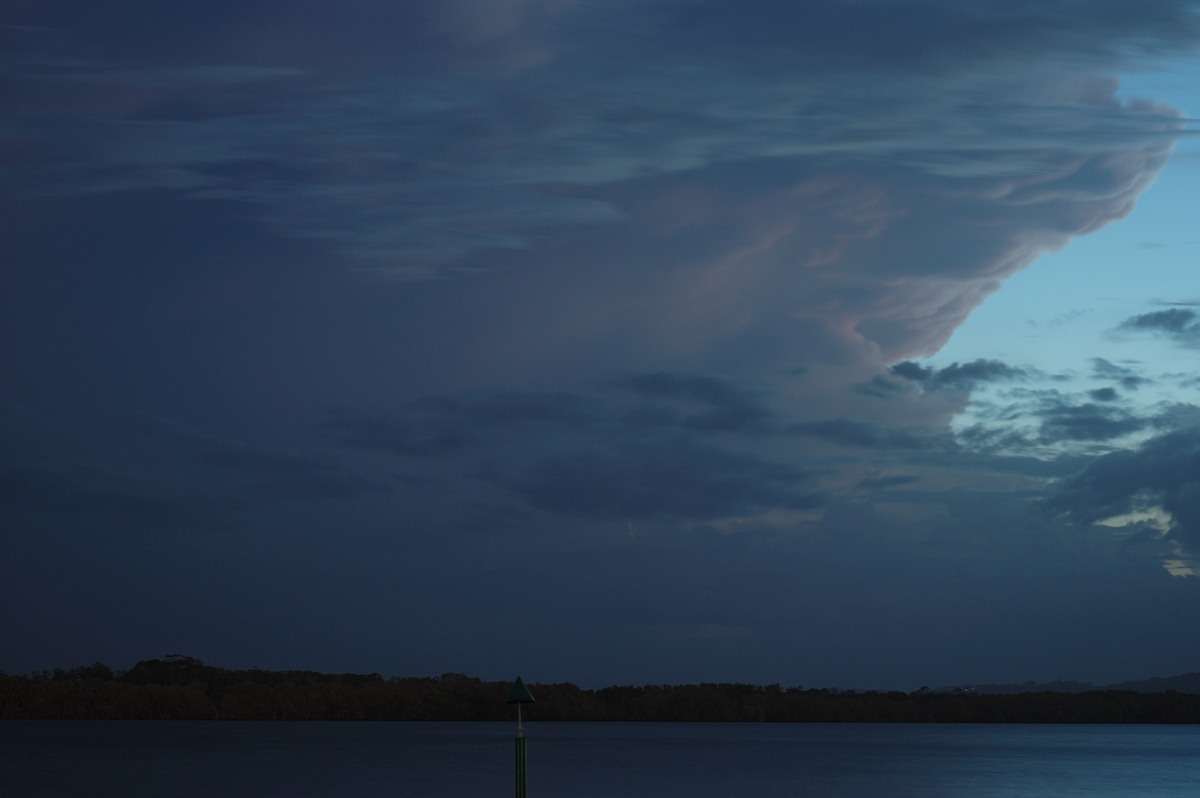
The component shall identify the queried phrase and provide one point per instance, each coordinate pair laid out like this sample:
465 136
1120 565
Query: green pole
520 760
520 695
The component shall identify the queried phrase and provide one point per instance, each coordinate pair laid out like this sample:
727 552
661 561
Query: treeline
184 688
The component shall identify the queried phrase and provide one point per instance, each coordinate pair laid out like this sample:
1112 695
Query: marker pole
520 756
520 695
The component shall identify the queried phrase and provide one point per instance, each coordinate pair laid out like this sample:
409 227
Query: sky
839 344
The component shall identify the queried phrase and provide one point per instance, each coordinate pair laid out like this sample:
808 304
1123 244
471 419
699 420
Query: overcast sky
850 343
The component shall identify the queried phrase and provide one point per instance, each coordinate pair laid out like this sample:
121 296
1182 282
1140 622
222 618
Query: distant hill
1183 683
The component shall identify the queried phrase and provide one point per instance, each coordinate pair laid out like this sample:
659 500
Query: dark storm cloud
598 456
504 408
740 151
435 425
152 475
889 481
249 474
933 33
1181 325
1163 472
670 478
726 406
861 434
668 449
397 436
881 387
668 455
432 163
88 493
554 264
358 36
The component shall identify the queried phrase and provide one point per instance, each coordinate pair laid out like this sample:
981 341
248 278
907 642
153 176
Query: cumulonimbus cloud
794 187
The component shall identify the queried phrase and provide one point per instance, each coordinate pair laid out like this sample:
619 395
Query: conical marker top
520 694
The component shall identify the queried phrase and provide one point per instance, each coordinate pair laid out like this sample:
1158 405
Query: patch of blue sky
1065 311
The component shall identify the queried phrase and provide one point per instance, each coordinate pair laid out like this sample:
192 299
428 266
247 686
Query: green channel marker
520 695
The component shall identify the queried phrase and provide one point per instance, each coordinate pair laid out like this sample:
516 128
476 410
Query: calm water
132 759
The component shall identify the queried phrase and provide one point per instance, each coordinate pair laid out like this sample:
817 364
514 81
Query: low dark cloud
1086 422
725 406
251 473
1164 472
91 494
861 434
990 437
642 446
888 481
1127 377
959 377
1176 416
395 435
1053 422
1181 325
658 402
881 387
1174 321
436 425
670 478
507 408
147 474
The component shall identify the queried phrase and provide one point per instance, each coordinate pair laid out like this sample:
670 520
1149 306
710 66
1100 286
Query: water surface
133 759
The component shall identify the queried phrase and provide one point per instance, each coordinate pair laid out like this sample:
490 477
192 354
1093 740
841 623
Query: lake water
132 759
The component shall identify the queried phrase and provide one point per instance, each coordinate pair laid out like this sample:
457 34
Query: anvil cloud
349 335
